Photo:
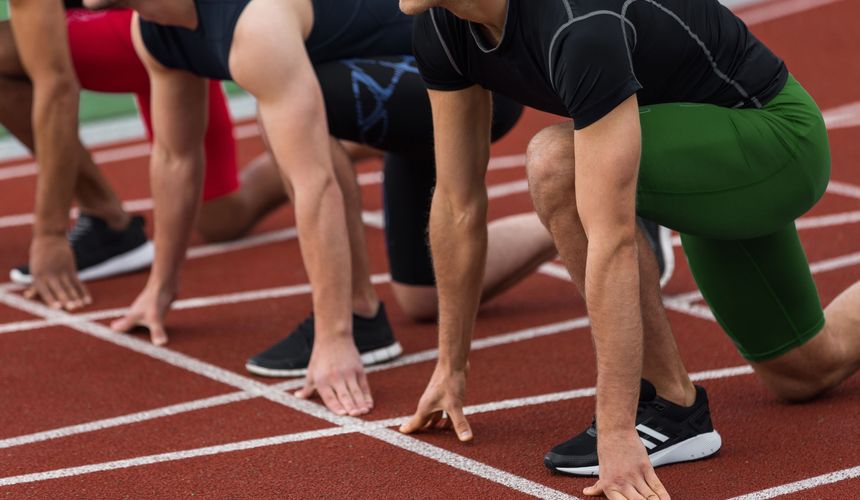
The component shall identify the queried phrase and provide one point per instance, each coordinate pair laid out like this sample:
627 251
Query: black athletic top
73 4
358 28
582 58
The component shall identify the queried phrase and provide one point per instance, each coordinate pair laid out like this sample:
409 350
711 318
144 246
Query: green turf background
96 106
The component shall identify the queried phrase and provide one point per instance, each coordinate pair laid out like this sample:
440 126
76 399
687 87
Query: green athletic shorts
732 182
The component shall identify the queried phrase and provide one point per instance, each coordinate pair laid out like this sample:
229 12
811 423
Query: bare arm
458 238
40 35
607 166
293 115
179 108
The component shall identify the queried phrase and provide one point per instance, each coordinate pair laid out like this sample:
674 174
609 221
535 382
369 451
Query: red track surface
55 376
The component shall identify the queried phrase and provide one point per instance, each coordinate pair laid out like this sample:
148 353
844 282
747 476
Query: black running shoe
669 432
101 252
290 357
660 239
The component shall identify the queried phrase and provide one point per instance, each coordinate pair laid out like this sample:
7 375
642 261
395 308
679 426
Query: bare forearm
176 187
612 291
458 238
58 151
325 249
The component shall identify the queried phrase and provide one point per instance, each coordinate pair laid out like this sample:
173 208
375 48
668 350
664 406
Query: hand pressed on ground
55 278
336 372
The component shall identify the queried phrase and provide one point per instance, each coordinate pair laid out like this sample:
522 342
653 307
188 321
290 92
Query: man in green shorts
680 114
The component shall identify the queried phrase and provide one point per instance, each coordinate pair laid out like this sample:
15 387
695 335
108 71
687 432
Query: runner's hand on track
148 311
337 374
55 277
625 471
441 406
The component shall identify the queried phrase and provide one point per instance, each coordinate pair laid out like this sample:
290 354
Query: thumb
461 425
126 323
594 490
306 391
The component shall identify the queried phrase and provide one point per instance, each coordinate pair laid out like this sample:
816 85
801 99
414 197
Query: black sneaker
670 433
290 357
660 239
101 252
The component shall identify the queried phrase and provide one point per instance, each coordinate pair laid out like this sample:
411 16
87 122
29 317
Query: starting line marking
171 410
309 408
806 484
369 428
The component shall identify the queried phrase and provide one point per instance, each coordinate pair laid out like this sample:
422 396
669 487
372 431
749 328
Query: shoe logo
646 432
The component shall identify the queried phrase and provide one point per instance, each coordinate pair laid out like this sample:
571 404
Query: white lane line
686 303
462 463
806 484
817 221
141 416
247 384
778 9
179 305
843 116
844 189
167 411
366 428
364 179
173 456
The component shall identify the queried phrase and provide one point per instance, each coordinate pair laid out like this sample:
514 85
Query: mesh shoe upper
294 352
660 424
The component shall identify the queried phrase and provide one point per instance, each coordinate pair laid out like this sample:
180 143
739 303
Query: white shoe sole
695 448
368 358
668 252
133 260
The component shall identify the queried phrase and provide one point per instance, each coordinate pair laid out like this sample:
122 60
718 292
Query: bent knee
418 303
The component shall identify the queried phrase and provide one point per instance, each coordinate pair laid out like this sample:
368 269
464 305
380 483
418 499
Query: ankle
366 305
682 392
116 220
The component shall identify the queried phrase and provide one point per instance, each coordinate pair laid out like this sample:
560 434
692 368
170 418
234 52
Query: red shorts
105 61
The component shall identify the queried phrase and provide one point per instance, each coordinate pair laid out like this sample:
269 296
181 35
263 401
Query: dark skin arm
40 35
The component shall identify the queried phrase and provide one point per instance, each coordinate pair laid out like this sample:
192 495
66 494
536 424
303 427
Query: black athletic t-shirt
358 28
582 58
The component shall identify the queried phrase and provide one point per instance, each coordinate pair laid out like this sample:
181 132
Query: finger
417 422
76 300
307 391
331 401
594 490
656 485
157 333
365 389
630 492
461 425
126 323
47 294
31 292
82 293
60 292
357 395
345 397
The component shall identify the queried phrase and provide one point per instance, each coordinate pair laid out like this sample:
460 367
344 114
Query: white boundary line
309 408
364 179
367 427
806 484
171 410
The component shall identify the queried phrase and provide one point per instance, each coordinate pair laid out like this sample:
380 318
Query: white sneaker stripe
648 444
651 432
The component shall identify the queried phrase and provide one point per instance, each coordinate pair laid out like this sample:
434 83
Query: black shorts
359 28
382 102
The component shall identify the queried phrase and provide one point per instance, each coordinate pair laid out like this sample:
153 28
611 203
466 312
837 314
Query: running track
87 413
